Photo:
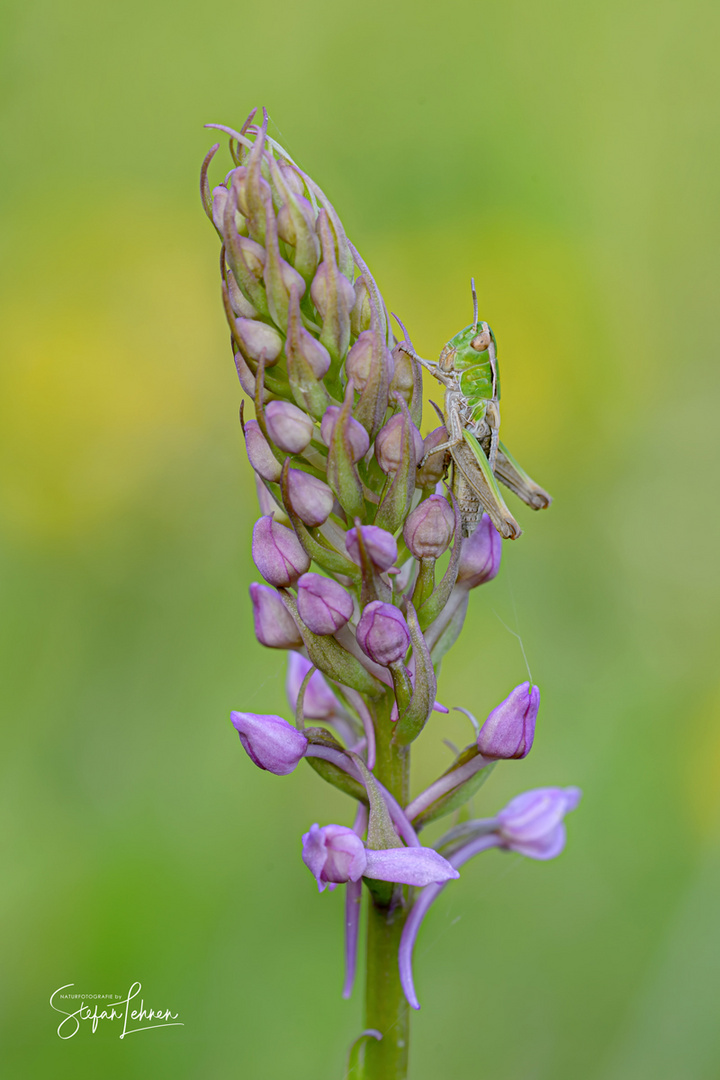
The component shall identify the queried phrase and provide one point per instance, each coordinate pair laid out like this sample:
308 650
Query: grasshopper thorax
471 354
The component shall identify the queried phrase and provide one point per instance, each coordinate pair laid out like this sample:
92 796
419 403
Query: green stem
386 1009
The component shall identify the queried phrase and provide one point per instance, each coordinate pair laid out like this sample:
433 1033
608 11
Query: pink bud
312 351
291 176
277 553
356 434
429 528
480 555
509 730
289 427
261 456
388 444
319 702
270 742
380 545
219 198
274 625
324 605
310 498
254 255
362 358
429 474
361 314
319 291
262 342
382 633
403 380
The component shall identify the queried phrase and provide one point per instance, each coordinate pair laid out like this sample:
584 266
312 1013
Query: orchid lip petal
409 866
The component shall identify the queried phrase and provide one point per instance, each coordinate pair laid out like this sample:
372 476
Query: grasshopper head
471 347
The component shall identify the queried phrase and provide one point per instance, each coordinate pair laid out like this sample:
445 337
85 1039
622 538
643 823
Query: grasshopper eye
482 341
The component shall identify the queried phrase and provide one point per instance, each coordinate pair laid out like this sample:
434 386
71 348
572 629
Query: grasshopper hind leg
513 476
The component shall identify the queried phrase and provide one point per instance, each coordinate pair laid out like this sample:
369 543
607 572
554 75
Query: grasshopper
468 369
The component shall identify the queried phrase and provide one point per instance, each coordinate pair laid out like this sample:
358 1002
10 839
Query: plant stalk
386 1009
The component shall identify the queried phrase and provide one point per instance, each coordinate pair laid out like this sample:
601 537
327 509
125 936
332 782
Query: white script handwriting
119 1010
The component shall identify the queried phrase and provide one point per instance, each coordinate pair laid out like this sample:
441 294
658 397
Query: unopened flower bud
287 229
267 503
219 203
320 291
312 351
271 743
361 314
310 498
356 434
380 545
274 625
238 302
262 342
382 633
285 225
388 444
480 555
219 198
334 854
239 179
291 176
361 358
277 552
261 456
319 702
509 730
289 427
324 605
429 474
403 380
429 528
532 824
254 255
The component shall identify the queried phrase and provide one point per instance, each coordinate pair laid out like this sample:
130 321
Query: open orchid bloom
531 824
335 854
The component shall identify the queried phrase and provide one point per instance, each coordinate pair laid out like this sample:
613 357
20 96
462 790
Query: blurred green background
567 156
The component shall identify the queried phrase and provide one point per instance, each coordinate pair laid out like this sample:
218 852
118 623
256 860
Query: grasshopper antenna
475 305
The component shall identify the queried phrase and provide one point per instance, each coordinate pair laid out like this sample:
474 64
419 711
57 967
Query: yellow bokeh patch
104 379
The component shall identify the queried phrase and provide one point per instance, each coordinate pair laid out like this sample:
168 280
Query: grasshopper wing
514 477
470 459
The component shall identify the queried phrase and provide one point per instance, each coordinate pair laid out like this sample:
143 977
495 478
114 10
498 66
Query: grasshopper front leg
453 424
430 365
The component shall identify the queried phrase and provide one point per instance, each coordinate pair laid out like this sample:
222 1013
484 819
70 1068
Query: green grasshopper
468 369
